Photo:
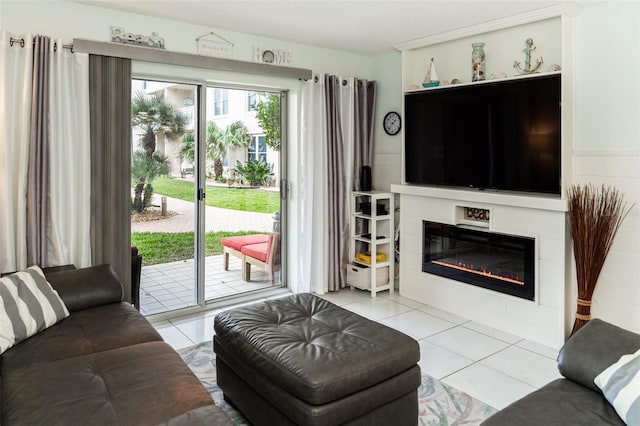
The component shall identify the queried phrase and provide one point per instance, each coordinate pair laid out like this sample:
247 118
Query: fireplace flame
461 266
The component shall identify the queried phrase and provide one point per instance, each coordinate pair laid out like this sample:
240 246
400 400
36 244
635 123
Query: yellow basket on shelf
366 257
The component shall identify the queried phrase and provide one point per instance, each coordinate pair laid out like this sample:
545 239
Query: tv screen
502 135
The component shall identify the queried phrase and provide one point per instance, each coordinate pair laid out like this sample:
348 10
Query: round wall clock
268 56
392 123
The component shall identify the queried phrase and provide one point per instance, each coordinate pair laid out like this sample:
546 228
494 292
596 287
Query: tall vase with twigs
595 215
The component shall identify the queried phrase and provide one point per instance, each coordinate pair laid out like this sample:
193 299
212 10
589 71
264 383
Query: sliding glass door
243 205
207 209
164 152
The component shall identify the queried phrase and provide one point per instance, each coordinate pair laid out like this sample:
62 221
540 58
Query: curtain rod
21 42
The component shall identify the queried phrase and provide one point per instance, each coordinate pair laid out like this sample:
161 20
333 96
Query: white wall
386 69
607 143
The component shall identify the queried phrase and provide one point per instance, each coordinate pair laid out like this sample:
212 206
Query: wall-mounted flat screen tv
502 135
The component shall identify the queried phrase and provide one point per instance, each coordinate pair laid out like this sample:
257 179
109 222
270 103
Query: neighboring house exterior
224 106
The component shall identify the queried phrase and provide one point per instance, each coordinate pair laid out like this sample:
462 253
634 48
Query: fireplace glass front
499 262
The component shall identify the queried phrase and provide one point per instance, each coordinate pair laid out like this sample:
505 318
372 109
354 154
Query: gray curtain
337 207
38 170
110 118
365 100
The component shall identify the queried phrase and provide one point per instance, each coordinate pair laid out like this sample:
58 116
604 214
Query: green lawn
164 247
250 199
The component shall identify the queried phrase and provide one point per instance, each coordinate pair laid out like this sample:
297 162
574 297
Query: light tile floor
490 365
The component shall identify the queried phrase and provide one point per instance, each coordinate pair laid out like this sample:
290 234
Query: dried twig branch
595 216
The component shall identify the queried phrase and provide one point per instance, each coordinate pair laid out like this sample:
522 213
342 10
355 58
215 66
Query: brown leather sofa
104 364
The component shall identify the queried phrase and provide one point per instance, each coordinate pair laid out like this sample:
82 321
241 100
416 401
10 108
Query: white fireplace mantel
544 320
513 199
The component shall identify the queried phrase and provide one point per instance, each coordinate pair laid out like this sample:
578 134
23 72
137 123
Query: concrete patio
170 286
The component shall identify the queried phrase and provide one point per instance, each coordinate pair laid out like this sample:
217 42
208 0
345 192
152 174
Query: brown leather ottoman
303 360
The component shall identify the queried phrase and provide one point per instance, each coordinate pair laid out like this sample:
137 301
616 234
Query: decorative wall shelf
494 80
553 31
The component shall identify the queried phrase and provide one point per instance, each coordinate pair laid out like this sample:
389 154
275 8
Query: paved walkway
216 219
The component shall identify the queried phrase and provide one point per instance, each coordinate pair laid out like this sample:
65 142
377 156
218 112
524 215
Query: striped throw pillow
28 305
620 384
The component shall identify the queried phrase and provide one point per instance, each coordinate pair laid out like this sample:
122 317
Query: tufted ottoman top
312 348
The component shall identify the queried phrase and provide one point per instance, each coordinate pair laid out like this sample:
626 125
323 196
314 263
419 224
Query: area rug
438 403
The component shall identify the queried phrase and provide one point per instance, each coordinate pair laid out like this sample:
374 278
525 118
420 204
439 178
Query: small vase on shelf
477 62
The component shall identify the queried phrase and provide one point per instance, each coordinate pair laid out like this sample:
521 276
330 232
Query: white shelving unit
374 233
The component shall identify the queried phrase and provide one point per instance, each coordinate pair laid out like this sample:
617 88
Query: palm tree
187 149
145 170
187 153
154 115
219 143
214 147
236 135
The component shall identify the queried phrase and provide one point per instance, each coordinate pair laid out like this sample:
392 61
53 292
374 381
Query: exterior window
257 149
252 100
220 102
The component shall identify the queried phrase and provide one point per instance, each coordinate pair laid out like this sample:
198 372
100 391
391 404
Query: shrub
255 172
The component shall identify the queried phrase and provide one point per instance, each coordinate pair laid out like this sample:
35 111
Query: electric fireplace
499 262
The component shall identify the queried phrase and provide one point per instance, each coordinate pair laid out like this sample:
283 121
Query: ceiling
363 27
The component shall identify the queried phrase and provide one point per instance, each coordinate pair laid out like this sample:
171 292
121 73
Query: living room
604 147
602 153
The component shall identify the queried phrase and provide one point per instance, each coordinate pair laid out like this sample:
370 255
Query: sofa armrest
592 349
87 287
51 269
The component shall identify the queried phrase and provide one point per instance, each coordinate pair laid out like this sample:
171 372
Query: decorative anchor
527 59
